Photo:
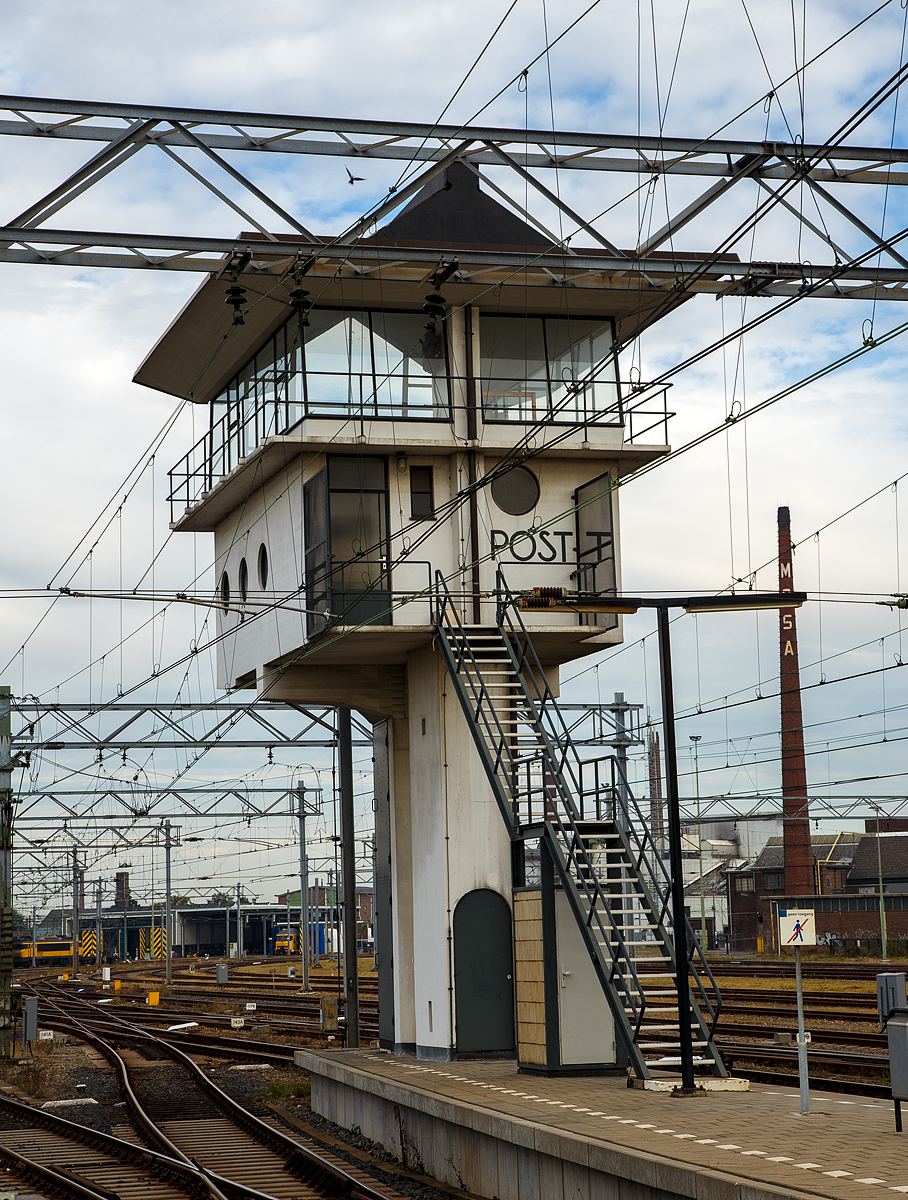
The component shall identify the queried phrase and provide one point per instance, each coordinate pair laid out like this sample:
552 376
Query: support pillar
348 876
75 912
6 874
304 890
167 939
382 901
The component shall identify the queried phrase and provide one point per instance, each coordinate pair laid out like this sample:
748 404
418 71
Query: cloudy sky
76 427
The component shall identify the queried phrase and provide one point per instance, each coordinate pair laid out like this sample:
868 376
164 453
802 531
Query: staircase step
675 1060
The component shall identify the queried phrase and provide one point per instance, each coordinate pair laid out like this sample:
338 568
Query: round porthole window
225 592
263 567
244 580
516 492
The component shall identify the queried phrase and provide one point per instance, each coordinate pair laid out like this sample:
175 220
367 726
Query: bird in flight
353 178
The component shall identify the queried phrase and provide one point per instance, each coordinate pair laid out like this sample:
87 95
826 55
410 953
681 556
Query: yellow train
49 950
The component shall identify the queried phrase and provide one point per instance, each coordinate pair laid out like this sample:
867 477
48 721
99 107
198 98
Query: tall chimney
798 854
656 811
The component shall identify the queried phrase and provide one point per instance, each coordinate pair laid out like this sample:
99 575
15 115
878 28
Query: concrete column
459 843
401 886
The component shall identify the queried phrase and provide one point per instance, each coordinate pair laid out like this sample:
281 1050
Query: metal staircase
611 872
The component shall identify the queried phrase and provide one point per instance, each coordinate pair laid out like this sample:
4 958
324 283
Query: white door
587 1027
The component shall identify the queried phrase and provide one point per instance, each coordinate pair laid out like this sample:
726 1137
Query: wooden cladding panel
529 977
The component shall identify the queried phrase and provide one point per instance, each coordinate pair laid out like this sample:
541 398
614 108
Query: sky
76 426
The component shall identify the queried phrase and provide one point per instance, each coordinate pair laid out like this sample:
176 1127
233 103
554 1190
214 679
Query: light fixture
555 599
745 601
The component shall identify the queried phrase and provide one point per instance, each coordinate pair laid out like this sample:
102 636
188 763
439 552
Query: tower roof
451 209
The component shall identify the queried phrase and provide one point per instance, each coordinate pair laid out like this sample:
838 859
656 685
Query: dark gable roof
837 848
893 852
452 210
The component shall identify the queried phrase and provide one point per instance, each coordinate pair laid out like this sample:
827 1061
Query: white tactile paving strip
730 1148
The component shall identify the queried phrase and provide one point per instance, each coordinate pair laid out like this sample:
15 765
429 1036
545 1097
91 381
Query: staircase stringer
476 717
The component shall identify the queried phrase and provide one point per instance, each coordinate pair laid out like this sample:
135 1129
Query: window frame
430 515
550 382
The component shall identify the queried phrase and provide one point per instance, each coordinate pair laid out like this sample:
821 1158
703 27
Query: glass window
773 881
244 580
744 883
225 592
535 368
516 491
387 364
263 566
379 365
354 474
422 501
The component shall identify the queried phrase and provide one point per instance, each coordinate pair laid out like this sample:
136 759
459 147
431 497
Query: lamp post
549 598
695 738
879 866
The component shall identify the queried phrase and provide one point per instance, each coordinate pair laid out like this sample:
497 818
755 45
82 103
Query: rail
305 1163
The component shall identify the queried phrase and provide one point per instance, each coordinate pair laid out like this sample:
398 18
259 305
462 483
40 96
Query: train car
285 939
281 942
51 950
47 950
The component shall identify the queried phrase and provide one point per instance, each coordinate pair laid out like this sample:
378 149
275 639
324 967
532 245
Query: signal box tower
354 415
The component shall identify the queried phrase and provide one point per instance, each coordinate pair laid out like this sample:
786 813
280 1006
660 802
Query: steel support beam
556 200
689 151
410 263
745 168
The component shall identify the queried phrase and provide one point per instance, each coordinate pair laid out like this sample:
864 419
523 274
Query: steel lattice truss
197 139
118 726
768 807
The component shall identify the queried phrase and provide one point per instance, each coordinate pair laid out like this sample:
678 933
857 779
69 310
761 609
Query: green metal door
483 974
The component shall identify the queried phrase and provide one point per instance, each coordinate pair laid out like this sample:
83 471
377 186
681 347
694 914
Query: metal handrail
248 423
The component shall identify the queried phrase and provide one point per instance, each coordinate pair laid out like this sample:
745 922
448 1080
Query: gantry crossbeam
277 133
137 726
159 252
768 807
203 136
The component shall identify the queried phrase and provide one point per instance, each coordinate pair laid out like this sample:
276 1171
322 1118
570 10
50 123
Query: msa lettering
785 570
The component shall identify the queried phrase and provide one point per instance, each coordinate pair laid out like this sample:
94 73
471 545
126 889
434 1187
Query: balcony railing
250 420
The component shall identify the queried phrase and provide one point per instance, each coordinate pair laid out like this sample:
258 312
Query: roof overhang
202 349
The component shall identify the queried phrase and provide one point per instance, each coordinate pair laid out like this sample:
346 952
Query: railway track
193 1139
751 1016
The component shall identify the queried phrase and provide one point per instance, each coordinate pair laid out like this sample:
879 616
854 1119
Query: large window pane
514 380
537 367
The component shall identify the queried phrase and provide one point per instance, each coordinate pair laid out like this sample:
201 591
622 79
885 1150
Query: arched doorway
483 974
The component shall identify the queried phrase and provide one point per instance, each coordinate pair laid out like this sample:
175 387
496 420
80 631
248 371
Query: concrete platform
483 1127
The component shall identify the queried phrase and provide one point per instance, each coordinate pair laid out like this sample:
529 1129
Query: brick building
886 855
755 889
327 898
846 902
